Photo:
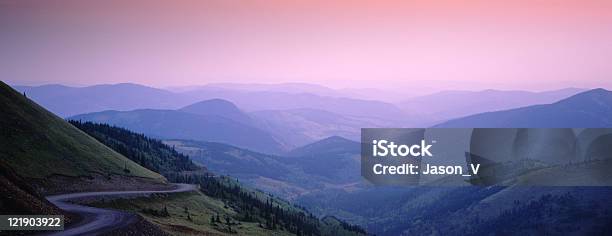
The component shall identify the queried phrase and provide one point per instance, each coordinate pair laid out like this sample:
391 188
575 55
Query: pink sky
533 45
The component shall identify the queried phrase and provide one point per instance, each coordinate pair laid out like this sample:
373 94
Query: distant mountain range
217 120
291 88
277 100
294 114
447 105
298 127
67 101
298 88
590 109
214 120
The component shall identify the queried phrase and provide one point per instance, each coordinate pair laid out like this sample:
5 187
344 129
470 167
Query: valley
321 174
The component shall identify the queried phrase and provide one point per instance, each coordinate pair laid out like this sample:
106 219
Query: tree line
147 152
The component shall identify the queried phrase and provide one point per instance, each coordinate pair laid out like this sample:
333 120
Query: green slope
238 210
38 145
190 214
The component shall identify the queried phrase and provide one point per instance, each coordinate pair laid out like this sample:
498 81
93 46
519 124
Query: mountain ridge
589 109
465 103
67 101
173 124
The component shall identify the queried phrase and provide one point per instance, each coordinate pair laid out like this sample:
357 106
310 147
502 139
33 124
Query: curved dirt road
97 220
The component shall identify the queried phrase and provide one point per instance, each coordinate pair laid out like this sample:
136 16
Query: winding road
96 220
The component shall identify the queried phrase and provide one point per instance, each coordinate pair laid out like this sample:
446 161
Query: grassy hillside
39 145
225 208
188 213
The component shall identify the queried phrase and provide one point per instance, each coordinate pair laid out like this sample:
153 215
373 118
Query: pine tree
165 211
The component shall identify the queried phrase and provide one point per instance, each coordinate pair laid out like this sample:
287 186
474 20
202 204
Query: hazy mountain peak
218 107
595 92
598 93
598 98
216 102
335 139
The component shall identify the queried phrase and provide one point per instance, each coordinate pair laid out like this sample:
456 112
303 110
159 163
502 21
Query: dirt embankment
18 197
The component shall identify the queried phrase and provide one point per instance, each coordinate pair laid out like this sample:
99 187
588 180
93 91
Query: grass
38 144
189 214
